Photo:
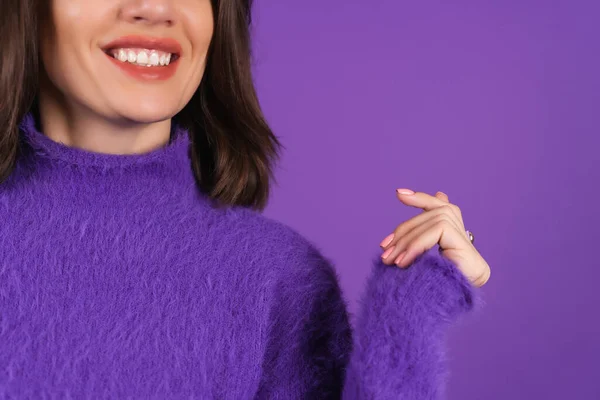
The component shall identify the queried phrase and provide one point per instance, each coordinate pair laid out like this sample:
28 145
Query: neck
56 158
77 126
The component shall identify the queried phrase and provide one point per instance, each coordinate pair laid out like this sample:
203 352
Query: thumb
442 196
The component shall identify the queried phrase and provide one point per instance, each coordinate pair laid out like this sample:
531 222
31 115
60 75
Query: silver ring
469 235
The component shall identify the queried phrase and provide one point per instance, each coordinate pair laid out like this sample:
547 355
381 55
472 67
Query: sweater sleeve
396 350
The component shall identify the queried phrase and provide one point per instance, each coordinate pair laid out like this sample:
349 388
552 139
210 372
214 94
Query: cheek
199 27
57 46
60 30
65 68
65 48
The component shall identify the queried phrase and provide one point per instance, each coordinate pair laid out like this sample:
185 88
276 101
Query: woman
134 260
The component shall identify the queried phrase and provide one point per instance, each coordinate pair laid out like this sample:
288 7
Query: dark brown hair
233 148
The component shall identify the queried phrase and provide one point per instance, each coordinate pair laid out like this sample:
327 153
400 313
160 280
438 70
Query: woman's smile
130 62
144 57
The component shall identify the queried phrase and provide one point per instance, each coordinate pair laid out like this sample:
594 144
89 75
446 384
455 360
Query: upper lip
167 45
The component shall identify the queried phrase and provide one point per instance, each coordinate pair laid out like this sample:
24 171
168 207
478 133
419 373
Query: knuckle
399 230
444 223
448 208
442 219
402 243
456 209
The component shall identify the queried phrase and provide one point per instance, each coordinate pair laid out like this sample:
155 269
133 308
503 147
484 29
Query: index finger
420 200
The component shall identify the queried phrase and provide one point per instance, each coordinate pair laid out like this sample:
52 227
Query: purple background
494 103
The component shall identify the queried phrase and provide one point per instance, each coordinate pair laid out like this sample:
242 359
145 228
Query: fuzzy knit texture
119 279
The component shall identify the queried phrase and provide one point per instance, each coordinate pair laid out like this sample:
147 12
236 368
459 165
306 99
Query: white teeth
154 59
142 58
145 57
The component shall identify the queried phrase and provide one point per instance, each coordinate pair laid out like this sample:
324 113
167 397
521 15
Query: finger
440 231
403 242
400 249
455 208
404 236
420 200
408 225
442 196
426 201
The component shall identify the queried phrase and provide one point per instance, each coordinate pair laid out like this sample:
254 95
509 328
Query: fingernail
400 257
388 239
387 252
405 191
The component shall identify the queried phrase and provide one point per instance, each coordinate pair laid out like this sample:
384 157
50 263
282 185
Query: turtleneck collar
173 155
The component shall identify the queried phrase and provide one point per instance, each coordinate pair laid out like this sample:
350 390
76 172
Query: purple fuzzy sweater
119 279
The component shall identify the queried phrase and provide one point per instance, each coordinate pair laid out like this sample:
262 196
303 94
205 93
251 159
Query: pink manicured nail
400 257
405 191
387 252
388 239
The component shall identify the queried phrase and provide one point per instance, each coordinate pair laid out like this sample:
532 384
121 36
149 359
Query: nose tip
149 12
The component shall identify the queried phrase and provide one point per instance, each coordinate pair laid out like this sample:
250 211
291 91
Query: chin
148 112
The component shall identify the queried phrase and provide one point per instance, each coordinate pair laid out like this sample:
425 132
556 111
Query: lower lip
143 73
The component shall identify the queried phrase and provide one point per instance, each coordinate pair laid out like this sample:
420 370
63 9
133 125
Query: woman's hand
440 223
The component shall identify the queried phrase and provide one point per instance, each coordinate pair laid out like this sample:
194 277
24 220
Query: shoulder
276 244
